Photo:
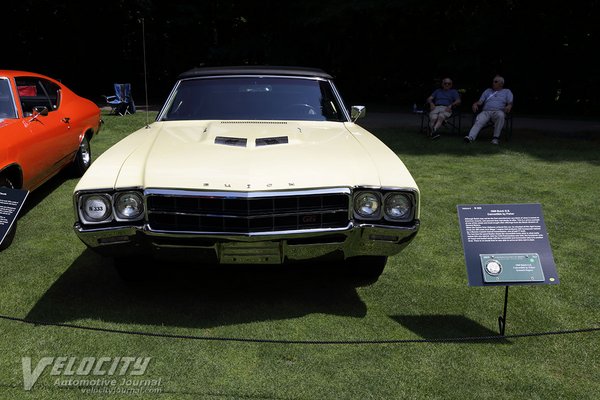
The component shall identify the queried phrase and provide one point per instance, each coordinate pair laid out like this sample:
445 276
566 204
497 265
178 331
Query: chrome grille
224 213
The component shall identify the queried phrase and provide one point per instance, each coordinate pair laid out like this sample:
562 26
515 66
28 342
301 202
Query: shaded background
389 53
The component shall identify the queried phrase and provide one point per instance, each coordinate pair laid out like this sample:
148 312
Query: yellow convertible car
250 165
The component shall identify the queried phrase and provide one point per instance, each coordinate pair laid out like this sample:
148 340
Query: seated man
441 102
497 102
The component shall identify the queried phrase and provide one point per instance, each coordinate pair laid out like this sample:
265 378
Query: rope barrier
302 342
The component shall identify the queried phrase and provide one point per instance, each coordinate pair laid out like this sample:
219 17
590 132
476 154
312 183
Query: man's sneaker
467 139
435 136
495 141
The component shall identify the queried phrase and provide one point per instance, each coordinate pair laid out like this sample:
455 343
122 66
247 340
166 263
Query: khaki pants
497 117
436 112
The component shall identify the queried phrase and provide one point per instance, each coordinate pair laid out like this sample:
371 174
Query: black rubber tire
83 158
365 270
5 182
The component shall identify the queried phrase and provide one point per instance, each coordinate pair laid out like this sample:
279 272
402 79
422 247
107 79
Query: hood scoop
243 142
271 140
231 141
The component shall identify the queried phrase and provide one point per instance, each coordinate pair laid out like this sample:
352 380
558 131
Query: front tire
83 158
365 270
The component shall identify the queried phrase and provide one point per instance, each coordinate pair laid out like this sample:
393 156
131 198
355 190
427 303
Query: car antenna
145 72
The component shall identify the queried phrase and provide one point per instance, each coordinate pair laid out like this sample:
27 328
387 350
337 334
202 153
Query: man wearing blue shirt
497 102
441 103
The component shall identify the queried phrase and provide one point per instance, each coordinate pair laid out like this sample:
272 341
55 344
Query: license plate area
250 253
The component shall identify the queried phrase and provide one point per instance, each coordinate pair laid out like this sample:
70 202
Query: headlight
397 206
95 208
129 206
367 205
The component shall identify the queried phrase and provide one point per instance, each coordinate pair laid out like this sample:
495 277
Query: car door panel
46 141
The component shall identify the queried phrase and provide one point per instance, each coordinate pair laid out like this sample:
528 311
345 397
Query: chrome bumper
263 248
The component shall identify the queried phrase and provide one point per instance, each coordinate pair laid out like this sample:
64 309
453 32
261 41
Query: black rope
307 342
179 392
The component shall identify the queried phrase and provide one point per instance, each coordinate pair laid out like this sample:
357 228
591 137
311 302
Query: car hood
248 155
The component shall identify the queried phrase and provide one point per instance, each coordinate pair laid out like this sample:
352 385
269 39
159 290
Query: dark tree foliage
386 52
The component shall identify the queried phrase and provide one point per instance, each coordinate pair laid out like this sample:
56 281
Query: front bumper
266 248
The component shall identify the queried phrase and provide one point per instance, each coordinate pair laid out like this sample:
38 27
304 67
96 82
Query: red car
44 127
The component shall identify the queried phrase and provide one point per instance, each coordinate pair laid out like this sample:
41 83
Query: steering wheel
302 108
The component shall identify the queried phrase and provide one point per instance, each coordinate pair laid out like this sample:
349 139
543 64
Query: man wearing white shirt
497 102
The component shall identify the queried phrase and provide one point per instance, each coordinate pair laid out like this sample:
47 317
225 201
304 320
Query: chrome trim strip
257 216
242 195
167 103
235 235
340 101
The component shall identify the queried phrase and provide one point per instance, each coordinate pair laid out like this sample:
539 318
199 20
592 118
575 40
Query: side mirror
357 112
39 110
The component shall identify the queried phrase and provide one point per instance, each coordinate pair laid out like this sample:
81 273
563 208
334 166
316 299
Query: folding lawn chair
122 102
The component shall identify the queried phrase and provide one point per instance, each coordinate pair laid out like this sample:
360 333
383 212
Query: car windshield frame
8 108
254 97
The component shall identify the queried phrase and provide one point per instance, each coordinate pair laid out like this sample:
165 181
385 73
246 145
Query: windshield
7 105
254 98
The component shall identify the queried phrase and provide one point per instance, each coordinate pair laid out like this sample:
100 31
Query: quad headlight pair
392 206
103 208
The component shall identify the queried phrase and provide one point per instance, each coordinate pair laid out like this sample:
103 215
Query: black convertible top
255 70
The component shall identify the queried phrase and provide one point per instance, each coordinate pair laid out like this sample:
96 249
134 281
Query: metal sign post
502 318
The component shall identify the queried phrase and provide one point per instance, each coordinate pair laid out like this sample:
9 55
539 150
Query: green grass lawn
48 275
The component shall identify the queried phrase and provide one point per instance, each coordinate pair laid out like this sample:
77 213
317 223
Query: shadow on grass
438 327
549 146
38 195
184 296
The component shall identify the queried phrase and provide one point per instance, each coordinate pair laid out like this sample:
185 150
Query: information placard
506 244
11 201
